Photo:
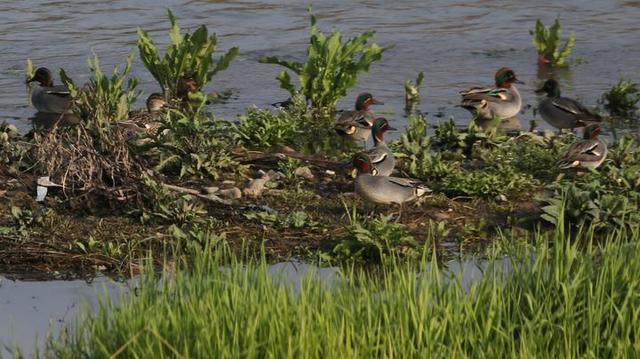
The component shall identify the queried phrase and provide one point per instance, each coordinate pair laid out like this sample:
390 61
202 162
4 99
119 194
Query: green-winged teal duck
46 97
561 112
381 156
588 153
385 189
356 125
502 101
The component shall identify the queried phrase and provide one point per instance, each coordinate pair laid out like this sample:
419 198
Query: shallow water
31 310
457 43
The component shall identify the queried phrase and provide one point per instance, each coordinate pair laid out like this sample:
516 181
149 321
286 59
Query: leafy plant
193 144
187 54
265 129
412 91
104 100
547 40
572 204
13 153
377 240
331 67
622 99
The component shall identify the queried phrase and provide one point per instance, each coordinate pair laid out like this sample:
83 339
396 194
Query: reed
566 296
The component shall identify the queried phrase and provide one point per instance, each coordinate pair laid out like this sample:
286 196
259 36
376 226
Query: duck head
505 77
155 102
550 87
362 164
365 100
591 132
186 84
43 77
380 126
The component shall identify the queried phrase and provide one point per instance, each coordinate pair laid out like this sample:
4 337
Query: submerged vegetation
547 40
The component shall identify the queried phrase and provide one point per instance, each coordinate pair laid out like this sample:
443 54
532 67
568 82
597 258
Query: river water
456 43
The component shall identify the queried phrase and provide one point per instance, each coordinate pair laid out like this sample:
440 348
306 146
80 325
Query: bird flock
373 168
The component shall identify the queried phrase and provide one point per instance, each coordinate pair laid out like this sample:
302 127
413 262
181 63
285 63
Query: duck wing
583 151
418 186
60 90
377 155
478 94
575 108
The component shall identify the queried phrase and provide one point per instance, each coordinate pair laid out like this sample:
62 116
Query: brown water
457 43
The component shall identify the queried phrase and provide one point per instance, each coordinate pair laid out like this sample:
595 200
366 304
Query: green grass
561 298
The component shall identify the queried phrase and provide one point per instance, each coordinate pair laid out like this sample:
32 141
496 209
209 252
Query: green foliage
265 129
607 199
166 206
187 53
294 126
589 204
193 145
331 67
294 220
447 161
622 99
13 152
412 91
547 41
561 297
375 241
104 100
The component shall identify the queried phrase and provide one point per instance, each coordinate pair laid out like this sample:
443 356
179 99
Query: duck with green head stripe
356 125
381 156
46 97
385 189
502 101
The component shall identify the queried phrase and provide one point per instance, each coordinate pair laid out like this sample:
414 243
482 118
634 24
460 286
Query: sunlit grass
557 298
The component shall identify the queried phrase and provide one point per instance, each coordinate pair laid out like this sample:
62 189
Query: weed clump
622 99
187 65
547 40
331 67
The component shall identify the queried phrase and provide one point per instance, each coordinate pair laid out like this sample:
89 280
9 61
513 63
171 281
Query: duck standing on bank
588 153
46 97
385 189
381 157
562 112
356 125
502 101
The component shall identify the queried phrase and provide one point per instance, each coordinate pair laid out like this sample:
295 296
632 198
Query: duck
385 189
356 125
502 101
588 153
186 84
381 156
140 120
562 112
45 96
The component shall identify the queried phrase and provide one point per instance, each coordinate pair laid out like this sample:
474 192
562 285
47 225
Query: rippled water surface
457 44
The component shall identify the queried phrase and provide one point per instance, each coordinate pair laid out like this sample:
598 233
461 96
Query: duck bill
540 91
518 82
391 128
354 173
376 102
